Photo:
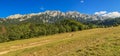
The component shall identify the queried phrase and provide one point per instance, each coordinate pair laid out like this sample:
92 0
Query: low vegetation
94 42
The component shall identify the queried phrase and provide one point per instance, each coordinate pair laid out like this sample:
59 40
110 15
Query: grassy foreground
94 42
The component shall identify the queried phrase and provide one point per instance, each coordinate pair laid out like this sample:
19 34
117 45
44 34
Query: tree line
30 30
27 30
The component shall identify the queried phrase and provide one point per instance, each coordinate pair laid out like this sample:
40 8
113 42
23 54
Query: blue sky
10 7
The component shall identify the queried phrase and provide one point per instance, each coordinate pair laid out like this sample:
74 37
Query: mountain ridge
54 16
55 13
102 14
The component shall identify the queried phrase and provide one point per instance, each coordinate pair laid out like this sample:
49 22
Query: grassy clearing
94 42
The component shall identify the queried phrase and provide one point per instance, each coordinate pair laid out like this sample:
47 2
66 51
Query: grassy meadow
93 42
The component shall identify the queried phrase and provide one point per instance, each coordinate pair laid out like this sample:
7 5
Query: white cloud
100 13
110 14
82 1
42 8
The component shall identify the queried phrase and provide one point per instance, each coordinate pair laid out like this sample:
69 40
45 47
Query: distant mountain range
52 16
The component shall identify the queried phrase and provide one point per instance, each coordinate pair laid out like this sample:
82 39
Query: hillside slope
94 42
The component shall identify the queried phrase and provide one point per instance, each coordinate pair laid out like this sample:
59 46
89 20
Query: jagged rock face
51 16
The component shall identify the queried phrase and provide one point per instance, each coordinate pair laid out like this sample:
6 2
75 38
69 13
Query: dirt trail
30 45
14 48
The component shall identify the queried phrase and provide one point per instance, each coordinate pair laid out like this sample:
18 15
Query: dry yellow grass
94 42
